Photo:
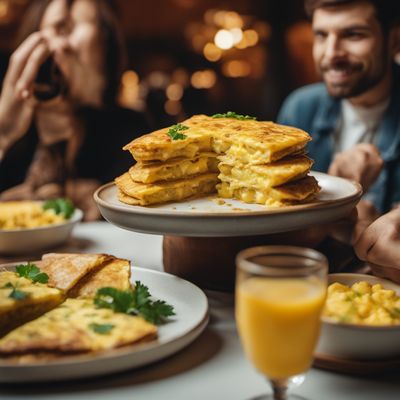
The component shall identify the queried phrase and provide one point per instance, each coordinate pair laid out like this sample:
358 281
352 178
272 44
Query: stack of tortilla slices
236 156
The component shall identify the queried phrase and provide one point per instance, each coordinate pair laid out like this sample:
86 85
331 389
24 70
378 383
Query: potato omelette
253 161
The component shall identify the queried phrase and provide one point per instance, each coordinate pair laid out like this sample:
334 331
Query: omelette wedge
265 175
295 192
65 270
114 273
22 300
162 192
76 326
180 168
250 141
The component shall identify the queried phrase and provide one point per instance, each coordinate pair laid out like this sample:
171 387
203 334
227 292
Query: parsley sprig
175 132
15 293
64 207
32 272
137 301
232 114
101 329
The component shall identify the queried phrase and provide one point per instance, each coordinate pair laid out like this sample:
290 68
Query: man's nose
333 48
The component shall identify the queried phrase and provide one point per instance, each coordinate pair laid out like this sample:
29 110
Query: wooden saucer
358 367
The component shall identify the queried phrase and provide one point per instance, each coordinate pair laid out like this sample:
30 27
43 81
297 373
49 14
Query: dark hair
115 56
387 11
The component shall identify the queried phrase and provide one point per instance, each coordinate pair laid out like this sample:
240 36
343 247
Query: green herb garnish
102 329
32 272
137 301
15 293
60 206
175 132
232 114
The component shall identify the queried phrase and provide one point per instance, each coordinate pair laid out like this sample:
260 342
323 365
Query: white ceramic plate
191 308
359 342
32 240
207 217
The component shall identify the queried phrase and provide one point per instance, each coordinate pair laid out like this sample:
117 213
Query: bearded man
354 115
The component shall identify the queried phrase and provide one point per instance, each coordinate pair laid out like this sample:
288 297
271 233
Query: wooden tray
358 367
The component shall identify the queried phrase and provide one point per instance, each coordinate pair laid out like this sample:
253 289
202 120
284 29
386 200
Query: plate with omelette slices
70 316
213 216
223 175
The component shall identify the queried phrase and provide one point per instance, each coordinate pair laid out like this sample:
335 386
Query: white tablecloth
211 368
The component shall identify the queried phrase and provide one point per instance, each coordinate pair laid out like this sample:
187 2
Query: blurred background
201 56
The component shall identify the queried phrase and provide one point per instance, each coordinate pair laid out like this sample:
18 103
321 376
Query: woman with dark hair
67 141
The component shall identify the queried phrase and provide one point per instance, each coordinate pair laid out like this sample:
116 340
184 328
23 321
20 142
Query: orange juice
279 321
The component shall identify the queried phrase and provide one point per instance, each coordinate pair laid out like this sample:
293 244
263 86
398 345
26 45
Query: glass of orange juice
280 294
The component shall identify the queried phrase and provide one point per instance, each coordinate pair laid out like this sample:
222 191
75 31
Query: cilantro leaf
232 114
137 301
102 329
156 312
64 207
15 293
116 300
175 132
142 294
32 272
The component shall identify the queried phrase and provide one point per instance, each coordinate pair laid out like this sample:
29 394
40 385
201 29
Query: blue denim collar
389 132
328 114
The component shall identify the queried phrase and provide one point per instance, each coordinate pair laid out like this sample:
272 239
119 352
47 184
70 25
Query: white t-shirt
358 124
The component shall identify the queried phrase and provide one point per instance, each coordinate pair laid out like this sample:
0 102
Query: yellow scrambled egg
363 304
26 214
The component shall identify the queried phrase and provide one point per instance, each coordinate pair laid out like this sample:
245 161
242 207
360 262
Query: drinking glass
280 294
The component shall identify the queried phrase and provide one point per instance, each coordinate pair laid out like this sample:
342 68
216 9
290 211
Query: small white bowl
359 342
31 240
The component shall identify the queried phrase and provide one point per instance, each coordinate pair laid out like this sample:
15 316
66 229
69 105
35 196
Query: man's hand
379 245
362 163
16 102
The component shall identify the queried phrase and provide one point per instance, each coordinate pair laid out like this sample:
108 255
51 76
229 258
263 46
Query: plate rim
143 210
80 359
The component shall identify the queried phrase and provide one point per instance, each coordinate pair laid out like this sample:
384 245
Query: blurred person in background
353 115
67 145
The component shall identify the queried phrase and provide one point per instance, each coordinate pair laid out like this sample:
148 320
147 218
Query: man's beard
361 84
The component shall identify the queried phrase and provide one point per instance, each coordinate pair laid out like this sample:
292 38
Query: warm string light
234 41
134 91
229 38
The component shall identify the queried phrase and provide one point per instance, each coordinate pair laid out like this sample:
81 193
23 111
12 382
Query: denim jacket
312 109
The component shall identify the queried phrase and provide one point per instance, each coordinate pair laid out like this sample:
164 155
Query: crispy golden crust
114 273
296 192
69 329
159 146
299 190
244 138
65 270
146 194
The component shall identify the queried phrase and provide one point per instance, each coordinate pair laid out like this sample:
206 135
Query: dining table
212 367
